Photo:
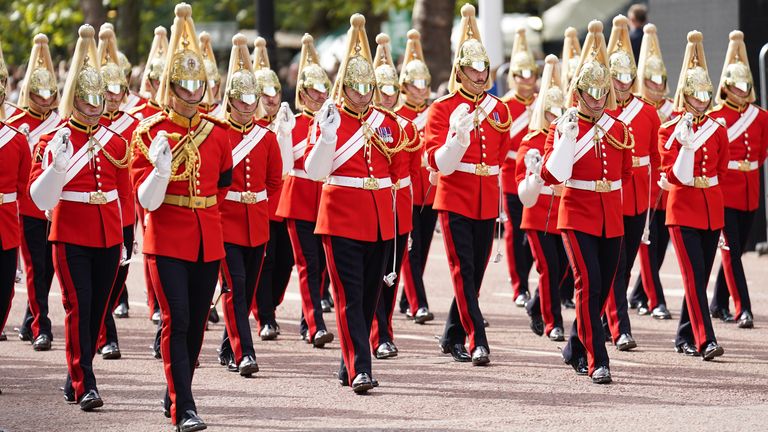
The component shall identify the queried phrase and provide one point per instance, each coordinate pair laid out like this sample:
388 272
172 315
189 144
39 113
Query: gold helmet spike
356 70
621 59
310 74
267 79
521 62
570 56
211 69
384 68
83 78
414 70
650 65
241 82
592 75
471 51
551 97
112 75
40 78
736 71
184 60
694 77
155 61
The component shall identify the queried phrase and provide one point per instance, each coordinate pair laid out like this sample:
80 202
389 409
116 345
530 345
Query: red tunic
406 163
423 194
644 127
146 109
741 188
594 213
543 215
14 173
84 224
470 195
700 208
300 196
274 197
123 124
260 170
176 231
519 108
359 214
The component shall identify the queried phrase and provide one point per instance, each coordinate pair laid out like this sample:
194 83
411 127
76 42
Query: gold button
247 168
483 154
197 182
197 190
247 176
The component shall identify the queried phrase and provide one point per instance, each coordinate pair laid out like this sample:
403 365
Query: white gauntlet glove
663 182
560 162
448 156
152 191
319 161
285 124
45 191
529 189
683 167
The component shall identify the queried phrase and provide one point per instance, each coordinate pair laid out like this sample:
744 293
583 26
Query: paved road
526 386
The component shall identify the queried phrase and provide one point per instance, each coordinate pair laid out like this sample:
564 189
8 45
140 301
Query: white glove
285 120
329 120
684 130
461 123
663 183
160 154
319 161
433 176
683 167
61 148
560 162
45 191
529 189
569 126
533 161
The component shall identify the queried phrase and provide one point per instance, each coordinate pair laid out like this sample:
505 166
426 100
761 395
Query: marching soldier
131 99
521 80
6 109
211 102
150 80
747 126
352 150
38 97
300 199
588 149
278 259
643 124
79 174
406 162
181 171
122 124
466 141
256 173
540 202
651 85
694 157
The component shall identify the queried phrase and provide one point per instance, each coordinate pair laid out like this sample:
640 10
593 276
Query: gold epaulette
16 116
532 134
448 96
214 120
720 121
671 122
137 108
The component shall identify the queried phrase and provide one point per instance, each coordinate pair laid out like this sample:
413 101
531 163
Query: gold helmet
310 74
551 97
694 77
83 78
155 61
384 68
184 61
621 59
241 82
736 71
650 65
267 79
414 70
592 75
211 69
471 51
122 60
40 78
356 70
521 61
112 74
570 56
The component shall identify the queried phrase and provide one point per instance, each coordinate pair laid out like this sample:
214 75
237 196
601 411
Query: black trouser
184 290
414 294
382 322
468 243
731 278
86 276
275 273
648 289
310 266
617 310
240 274
8 261
566 288
109 332
593 262
695 251
552 266
356 268
38 266
519 259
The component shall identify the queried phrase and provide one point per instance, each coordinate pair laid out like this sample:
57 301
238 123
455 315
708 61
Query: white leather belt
7 198
300 173
247 197
403 182
511 154
640 161
367 183
90 197
480 169
594 185
743 165
703 182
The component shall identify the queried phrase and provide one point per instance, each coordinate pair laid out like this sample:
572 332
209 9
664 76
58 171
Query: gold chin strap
466 81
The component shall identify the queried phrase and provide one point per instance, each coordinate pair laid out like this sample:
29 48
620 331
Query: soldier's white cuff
448 156
152 191
45 191
319 162
560 162
529 189
683 167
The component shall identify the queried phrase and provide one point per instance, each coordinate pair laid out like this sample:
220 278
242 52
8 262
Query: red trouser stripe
646 275
542 266
71 319
689 285
347 348
409 287
301 268
581 295
730 278
29 270
458 281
